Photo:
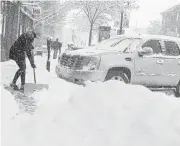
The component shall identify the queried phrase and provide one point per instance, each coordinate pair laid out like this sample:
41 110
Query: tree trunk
121 24
90 35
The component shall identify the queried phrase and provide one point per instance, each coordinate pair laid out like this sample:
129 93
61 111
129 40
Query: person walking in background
18 51
49 45
57 48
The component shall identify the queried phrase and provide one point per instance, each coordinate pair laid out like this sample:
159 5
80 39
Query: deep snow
100 114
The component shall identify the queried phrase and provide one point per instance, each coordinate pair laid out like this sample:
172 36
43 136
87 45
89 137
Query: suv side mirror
145 51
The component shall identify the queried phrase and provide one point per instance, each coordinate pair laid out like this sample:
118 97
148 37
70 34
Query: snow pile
59 91
101 114
9 106
9 109
8 69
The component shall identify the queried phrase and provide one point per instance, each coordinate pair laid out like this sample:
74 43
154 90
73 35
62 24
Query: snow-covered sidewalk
100 114
8 70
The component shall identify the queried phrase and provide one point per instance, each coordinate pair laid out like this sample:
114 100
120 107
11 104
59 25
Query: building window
176 30
3 17
177 18
20 29
4 26
1 23
173 17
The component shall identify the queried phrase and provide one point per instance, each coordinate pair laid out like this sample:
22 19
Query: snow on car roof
162 37
146 36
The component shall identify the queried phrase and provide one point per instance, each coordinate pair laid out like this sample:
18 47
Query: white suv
149 60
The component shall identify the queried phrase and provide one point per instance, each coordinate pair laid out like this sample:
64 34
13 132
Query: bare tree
52 18
98 11
53 12
155 27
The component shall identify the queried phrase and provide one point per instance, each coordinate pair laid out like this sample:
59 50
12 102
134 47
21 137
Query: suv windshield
107 43
118 44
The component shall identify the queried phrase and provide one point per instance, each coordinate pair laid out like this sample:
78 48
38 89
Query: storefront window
1 22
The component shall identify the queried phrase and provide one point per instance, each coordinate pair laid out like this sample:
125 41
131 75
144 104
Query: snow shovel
34 75
48 65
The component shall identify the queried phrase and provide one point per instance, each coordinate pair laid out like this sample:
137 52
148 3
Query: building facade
171 21
15 19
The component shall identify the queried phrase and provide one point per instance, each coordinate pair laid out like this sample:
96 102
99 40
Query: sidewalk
43 78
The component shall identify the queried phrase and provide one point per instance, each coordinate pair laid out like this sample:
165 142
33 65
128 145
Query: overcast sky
149 10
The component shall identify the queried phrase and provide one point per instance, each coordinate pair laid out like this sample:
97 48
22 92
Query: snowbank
9 109
8 104
101 114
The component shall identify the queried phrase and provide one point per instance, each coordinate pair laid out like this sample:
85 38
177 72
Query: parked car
149 60
40 50
72 47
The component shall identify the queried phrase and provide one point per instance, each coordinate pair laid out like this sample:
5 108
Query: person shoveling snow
23 45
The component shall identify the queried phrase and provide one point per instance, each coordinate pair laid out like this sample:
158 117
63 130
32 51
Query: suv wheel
177 93
117 75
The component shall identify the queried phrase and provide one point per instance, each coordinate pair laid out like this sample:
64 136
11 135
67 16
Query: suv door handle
160 61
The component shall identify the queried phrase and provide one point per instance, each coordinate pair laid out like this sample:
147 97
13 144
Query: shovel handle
34 75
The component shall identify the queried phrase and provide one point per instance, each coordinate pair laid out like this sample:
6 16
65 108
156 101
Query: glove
48 65
33 65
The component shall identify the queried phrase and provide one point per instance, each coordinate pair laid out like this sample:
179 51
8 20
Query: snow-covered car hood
89 52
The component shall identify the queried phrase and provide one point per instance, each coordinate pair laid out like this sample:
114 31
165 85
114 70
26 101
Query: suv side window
172 48
154 44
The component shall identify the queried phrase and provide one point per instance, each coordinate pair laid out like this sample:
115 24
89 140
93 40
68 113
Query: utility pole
121 23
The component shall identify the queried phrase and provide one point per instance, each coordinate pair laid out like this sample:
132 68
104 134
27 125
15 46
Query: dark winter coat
48 43
49 47
22 46
57 45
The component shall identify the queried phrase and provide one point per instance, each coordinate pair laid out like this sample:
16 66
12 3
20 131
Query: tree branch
86 14
101 12
84 9
49 16
88 11
95 12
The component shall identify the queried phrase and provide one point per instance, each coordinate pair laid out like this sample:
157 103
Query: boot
14 86
22 88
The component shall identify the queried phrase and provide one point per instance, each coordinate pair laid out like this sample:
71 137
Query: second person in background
57 48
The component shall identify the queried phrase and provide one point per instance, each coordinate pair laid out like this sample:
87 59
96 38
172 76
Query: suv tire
117 75
177 92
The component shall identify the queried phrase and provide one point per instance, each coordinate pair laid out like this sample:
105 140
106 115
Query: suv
149 60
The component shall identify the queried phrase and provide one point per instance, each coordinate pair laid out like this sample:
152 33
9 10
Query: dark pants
55 54
20 72
49 52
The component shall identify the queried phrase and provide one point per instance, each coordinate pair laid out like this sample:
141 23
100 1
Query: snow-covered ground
100 114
